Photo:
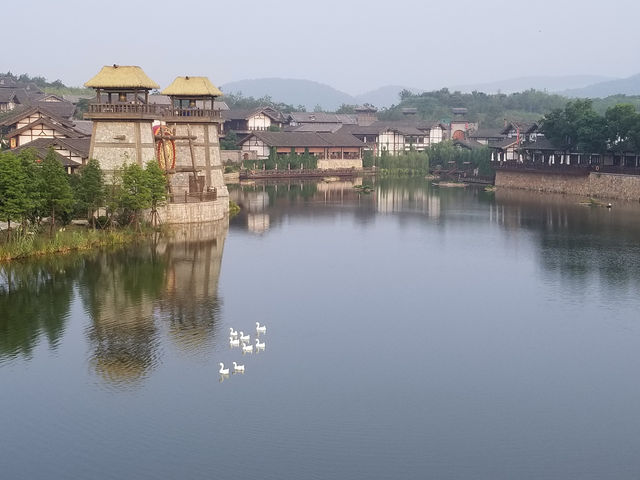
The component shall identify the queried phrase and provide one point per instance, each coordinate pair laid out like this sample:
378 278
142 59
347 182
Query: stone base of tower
114 143
197 212
203 151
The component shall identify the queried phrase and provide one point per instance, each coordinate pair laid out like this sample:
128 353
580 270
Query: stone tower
122 117
194 124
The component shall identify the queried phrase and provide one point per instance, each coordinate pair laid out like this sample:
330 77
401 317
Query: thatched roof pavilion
192 87
127 81
192 93
122 77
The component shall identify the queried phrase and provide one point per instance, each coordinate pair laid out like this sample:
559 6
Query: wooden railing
192 112
135 108
338 172
542 167
187 197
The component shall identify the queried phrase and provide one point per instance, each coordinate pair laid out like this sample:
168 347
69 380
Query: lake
413 332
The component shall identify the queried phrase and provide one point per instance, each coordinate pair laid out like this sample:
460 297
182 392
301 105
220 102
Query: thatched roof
193 87
121 76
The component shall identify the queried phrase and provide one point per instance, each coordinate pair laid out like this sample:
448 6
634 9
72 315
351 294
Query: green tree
135 194
230 141
34 207
623 121
13 200
157 185
90 189
56 190
577 127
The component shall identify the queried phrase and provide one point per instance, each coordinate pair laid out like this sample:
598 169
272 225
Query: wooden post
193 158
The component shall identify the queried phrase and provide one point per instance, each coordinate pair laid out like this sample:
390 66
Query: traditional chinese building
122 117
194 124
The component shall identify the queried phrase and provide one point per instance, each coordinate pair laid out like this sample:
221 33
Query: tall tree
13 200
157 184
90 191
135 194
622 122
56 190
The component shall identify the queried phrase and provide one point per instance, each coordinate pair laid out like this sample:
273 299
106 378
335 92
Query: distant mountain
309 93
383 97
292 91
550 84
624 86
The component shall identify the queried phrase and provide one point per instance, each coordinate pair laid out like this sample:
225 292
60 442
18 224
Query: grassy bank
63 242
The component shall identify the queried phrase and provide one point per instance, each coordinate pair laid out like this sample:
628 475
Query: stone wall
197 212
332 164
599 185
236 156
206 150
114 143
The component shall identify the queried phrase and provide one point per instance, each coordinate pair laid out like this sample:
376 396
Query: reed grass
63 242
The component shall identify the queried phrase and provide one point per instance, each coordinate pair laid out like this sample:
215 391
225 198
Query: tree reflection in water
35 299
132 297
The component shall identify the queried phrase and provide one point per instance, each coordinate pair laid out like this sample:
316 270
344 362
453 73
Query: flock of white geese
237 340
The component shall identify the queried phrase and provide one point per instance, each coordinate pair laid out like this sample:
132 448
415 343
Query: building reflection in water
575 240
408 197
265 204
141 297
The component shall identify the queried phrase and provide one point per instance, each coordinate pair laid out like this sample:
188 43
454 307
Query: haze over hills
291 91
625 86
540 82
310 94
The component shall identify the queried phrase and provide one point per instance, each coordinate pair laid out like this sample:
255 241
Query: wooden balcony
122 111
193 115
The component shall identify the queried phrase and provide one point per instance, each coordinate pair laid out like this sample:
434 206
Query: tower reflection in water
143 300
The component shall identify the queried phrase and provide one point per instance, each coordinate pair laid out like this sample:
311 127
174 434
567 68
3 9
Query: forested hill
490 110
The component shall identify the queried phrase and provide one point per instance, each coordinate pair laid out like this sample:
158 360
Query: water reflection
169 285
575 240
35 299
133 298
266 205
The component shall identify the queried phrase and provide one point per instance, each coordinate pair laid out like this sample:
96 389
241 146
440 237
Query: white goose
244 338
234 342
223 371
259 346
261 329
233 333
238 368
247 348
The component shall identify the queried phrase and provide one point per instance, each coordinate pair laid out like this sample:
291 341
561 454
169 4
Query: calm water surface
412 333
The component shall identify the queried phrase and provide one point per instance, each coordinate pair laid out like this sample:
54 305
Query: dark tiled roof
79 146
70 132
487 133
7 94
524 127
306 139
323 117
507 142
468 144
315 127
61 109
83 126
245 113
25 111
542 143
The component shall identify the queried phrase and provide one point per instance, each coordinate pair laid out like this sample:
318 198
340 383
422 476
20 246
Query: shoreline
64 242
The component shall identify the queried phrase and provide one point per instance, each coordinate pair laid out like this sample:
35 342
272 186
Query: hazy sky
354 46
